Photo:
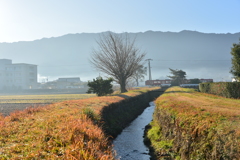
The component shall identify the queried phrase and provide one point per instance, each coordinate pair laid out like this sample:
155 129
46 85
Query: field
192 125
11 103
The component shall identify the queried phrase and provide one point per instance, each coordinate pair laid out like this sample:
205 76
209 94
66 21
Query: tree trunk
123 89
123 86
137 82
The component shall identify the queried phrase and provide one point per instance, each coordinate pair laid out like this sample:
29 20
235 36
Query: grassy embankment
64 130
193 125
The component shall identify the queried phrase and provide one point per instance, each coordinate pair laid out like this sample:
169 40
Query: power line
190 60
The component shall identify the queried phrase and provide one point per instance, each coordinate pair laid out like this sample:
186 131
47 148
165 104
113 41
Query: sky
27 20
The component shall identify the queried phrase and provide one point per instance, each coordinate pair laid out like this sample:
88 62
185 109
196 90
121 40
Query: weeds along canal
129 144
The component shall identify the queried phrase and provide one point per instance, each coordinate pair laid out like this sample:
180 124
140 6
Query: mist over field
201 55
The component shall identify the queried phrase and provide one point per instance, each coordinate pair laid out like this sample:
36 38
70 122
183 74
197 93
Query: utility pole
149 68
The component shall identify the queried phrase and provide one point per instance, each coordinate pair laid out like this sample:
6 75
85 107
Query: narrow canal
129 144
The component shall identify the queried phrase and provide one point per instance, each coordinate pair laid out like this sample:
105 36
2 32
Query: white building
17 75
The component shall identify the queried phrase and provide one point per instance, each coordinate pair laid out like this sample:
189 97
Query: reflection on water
129 144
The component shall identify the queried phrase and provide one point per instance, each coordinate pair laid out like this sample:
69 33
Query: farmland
11 103
191 125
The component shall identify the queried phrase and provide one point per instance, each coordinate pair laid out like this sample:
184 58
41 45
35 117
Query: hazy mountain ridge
200 54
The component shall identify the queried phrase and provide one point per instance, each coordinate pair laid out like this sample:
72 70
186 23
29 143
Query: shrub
224 89
100 86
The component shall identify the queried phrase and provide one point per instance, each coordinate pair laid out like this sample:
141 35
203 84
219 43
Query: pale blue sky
26 20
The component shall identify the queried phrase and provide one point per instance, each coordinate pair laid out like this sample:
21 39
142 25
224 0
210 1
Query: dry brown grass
64 130
193 125
210 103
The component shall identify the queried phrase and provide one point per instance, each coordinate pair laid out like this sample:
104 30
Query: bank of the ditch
193 125
117 116
76 129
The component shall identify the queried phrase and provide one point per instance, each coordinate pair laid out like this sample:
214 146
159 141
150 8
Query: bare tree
139 74
117 56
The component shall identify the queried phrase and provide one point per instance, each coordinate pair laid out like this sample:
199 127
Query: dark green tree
194 81
100 86
178 77
235 52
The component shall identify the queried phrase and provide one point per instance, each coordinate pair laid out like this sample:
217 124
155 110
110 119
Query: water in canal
129 144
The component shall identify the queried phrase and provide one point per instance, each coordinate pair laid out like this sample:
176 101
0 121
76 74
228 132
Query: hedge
224 89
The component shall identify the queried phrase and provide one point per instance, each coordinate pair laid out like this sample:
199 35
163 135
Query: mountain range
200 55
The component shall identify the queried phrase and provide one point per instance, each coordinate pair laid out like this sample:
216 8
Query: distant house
158 82
64 83
17 75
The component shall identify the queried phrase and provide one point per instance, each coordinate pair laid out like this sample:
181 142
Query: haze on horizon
28 20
